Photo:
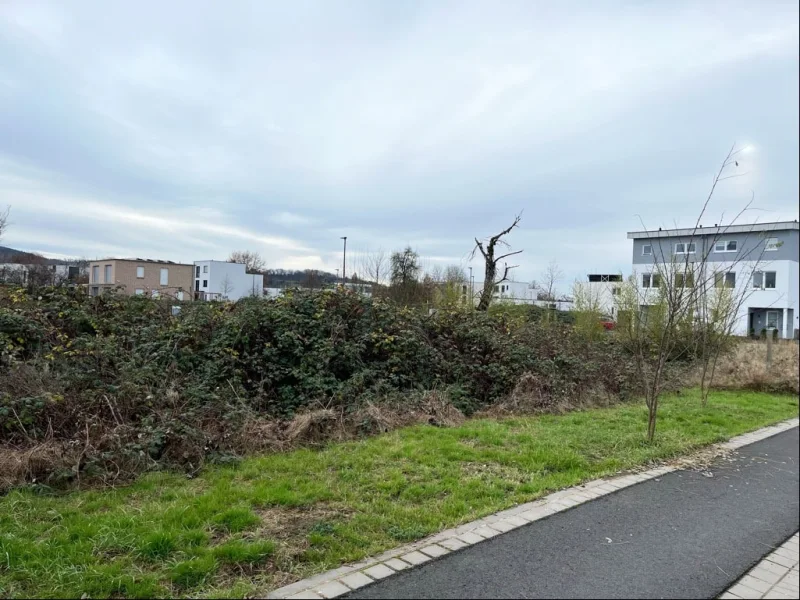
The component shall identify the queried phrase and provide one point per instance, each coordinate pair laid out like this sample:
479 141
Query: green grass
234 531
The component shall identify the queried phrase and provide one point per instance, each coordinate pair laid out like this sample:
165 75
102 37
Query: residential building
758 261
39 274
516 292
221 280
599 293
141 277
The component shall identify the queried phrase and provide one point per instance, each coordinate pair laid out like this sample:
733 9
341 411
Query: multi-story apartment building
138 276
758 261
220 280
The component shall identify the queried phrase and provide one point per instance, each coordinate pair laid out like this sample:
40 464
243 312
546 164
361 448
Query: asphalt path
688 534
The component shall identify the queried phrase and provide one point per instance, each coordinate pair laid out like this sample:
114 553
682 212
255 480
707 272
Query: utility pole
344 261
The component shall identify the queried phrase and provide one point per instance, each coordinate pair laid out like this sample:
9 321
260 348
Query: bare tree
375 266
491 261
226 287
446 286
550 278
311 280
454 274
682 305
251 260
436 273
4 223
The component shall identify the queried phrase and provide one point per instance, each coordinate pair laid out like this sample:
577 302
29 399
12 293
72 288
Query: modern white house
515 292
221 280
759 261
598 293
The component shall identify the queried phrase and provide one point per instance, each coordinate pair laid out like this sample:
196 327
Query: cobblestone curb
351 577
777 576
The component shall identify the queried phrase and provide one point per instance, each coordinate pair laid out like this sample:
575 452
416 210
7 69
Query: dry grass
324 425
531 396
745 368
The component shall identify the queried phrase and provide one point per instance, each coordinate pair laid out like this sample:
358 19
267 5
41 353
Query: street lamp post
344 261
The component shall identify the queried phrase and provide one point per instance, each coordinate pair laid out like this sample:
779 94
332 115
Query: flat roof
143 260
715 230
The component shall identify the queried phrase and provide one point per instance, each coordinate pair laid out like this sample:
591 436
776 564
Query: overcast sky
185 130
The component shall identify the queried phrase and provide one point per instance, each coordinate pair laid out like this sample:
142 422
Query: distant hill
8 255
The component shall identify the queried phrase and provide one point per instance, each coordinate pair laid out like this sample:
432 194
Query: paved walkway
777 577
684 535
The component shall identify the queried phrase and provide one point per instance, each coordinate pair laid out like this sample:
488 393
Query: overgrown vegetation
110 386
241 530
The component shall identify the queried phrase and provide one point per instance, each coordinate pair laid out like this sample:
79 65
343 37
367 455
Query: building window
179 295
95 274
164 280
197 271
727 280
647 250
772 319
650 280
107 274
154 293
772 244
615 291
139 292
684 280
764 280
94 290
205 283
205 268
139 272
196 285
726 246
681 248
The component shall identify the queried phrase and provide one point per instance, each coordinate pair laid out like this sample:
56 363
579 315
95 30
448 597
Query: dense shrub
122 385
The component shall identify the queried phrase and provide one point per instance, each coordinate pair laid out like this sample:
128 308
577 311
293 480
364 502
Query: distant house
599 293
758 260
515 292
141 277
41 274
220 280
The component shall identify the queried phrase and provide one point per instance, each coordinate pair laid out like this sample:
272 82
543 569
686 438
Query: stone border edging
777 575
350 577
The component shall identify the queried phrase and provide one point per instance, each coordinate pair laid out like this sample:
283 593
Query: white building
220 280
51 274
515 292
598 293
758 261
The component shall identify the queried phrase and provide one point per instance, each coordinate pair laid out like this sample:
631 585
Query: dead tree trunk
490 271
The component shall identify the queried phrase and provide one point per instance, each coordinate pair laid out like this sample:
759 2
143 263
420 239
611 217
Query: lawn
238 530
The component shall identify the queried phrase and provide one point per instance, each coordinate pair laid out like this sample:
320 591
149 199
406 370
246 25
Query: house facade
758 261
141 277
515 292
221 280
598 293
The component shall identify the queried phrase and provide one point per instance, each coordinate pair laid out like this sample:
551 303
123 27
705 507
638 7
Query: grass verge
236 530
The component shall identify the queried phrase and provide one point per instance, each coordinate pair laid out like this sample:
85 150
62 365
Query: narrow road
687 535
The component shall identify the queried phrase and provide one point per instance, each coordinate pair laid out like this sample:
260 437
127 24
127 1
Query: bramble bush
115 385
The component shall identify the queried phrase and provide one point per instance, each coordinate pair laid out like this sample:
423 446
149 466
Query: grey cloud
423 123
